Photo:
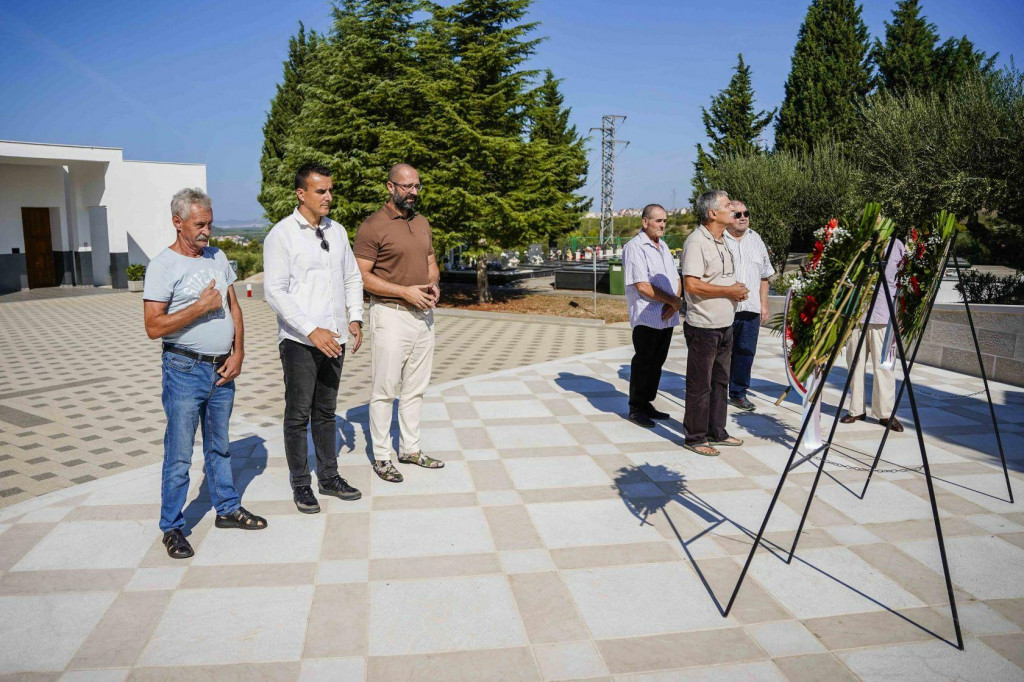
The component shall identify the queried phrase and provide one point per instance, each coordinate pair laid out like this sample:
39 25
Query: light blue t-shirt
179 280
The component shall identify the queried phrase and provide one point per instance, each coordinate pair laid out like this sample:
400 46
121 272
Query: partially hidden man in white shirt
753 268
312 282
653 290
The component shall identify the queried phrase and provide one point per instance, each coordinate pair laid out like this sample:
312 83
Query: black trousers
311 381
708 356
650 348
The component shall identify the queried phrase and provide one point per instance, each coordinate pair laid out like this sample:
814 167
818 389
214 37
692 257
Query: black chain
917 469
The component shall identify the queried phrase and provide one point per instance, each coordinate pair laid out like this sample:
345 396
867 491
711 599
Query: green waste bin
616 278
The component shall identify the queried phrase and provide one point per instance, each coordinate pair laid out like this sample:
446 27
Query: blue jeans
191 397
744 344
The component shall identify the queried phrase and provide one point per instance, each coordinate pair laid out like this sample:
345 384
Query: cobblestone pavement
80 381
560 542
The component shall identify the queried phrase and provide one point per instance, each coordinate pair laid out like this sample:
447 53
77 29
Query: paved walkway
560 542
80 381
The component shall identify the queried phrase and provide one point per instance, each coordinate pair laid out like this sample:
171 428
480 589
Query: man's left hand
667 311
435 290
231 368
764 316
356 330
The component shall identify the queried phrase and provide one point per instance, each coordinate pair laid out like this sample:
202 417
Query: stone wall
947 340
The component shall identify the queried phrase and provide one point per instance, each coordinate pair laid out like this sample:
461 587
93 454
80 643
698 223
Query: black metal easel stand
981 366
883 286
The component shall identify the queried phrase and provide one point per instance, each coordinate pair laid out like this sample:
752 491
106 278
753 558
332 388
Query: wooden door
38 247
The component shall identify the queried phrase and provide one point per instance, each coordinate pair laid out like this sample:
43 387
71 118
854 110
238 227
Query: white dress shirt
752 265
643 260
306 286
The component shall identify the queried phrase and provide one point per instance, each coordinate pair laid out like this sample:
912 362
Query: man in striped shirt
653 290
753 268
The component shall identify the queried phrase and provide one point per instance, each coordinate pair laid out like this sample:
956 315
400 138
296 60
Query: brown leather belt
213 359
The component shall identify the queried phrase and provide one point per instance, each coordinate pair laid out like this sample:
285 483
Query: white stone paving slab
429 532
599 522
43 632
764 671
639 600
333 669
91 544
230 625
286 539
828 582
539 436
417 616
884 503
931 661
983 565
744 508
680 464
453 478
785 638
532 473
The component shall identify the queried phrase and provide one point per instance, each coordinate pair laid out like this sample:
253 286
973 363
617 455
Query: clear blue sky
191 81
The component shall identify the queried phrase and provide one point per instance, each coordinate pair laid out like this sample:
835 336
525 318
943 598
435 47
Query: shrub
984 287
136 273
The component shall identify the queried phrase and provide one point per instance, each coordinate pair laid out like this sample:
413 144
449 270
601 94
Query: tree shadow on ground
648 489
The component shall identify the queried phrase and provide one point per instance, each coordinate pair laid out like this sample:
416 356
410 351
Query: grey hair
708 202
183 201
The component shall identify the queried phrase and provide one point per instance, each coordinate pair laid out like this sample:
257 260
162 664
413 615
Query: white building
80 215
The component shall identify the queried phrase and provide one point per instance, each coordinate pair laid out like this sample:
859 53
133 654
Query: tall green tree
732 125
829 78
956 60
275 195
906 60
565 150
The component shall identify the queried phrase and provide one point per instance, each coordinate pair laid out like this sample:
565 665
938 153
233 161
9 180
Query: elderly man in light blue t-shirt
190 304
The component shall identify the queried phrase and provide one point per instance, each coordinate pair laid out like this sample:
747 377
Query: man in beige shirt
711 292
395 254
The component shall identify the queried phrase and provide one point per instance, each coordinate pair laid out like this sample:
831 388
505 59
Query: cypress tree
956 60
732 125
564 149
906 60
276 195
829 79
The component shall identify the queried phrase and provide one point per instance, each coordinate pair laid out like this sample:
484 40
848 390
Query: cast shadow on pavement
248 460
648 489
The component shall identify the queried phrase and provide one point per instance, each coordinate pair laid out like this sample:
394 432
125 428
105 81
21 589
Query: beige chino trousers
883 390
401 357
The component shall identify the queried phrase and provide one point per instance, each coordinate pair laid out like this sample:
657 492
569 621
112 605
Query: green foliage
447 91
732 125
922 152
276 194
829 79
791 195
984 287
248 259
135 272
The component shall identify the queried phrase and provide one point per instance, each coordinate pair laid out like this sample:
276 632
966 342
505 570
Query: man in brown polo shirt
395 254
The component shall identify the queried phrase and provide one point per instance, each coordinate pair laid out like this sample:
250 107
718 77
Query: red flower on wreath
809 311
913 235
915 285
920 250
819 248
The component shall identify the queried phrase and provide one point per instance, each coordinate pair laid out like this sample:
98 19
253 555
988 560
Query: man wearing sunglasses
753 268
395 253
312 283
712 292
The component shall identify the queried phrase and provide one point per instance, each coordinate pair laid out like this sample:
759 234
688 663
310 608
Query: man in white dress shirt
753 268
312 282
653 290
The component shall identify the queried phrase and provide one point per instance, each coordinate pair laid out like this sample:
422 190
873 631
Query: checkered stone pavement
80 381
559 542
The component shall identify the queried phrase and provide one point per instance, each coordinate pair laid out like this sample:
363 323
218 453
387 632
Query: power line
608 143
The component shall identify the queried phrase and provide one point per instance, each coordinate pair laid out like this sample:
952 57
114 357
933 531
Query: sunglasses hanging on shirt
323 240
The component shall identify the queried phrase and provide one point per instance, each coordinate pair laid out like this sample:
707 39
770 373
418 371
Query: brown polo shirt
399 248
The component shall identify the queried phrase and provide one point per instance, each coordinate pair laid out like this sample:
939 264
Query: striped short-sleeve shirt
643 260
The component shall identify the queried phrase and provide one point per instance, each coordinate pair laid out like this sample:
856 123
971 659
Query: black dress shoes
640 419
850 418
656 414
893 424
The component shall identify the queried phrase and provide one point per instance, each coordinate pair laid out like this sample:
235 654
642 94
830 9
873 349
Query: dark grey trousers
708 356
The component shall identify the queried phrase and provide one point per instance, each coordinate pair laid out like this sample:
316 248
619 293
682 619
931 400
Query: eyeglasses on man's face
323 240
405 187
741 214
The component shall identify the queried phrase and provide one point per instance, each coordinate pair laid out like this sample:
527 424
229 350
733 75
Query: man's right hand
420 295
326 342
737 292
210 299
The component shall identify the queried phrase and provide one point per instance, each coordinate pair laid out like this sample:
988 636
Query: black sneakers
741 404
304 500
656 414
338 487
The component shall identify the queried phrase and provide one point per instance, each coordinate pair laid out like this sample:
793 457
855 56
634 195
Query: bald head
399 170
